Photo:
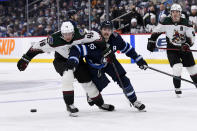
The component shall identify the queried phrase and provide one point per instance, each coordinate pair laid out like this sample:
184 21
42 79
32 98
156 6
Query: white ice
39 87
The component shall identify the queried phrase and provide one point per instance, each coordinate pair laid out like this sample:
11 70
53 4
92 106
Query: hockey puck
33 110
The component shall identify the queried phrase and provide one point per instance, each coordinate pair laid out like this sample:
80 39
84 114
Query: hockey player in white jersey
180 35
60 42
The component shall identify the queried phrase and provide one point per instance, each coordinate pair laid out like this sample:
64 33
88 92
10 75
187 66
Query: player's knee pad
67 80
177 69
90 89
192 70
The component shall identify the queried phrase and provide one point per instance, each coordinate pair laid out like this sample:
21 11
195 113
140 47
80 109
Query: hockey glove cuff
108 55
141 63
72 63
185 47
23 62
151 45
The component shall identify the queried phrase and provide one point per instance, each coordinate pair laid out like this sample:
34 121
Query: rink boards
12 48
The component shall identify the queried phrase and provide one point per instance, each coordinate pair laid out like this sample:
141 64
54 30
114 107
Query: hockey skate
107 107
73 111
178 92
138 105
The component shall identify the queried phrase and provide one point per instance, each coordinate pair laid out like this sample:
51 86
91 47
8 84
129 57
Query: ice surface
39 87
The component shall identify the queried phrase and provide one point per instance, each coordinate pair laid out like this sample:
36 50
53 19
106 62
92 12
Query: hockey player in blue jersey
101 60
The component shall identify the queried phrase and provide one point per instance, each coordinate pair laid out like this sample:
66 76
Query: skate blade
178 95
142 110
73 114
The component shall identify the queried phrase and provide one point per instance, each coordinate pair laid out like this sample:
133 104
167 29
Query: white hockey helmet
176 7
133 20
67 27
193 7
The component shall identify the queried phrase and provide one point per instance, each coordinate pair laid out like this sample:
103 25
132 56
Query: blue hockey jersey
93 51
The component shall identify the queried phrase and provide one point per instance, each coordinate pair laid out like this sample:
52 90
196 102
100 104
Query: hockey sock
98 100
130 93
100 103
68 97
177 82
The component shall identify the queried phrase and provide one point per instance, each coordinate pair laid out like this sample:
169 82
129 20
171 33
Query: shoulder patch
50 40
81 32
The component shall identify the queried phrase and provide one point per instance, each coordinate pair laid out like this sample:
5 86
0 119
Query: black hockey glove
108 55
23 62
141 63
71 63
185 47
151 45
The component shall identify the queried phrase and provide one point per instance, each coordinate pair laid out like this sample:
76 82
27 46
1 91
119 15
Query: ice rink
39 87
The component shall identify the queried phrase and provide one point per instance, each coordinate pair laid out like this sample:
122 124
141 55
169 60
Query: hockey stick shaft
121 84
177 49
171 75
117 75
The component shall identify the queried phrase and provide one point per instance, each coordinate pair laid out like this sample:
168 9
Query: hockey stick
122 86
177 49
172 75
118 76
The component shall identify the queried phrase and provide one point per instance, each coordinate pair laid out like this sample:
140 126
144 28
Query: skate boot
178 92
72 110
138 105
107 107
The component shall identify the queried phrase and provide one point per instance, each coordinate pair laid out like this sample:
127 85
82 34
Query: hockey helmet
67 27
176 7
193 7
107 24
71 13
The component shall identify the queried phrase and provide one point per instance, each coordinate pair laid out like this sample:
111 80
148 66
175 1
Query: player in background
101 60
179 35
73 17
60 42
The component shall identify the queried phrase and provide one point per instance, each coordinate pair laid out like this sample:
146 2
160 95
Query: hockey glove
23 62
72 63
185 47
151 45
141 63
108 55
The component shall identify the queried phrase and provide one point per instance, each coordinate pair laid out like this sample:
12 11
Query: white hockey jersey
55 42
176 32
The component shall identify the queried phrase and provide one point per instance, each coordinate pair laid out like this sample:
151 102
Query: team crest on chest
178 37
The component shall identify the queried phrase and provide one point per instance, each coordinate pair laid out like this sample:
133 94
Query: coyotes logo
178 38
